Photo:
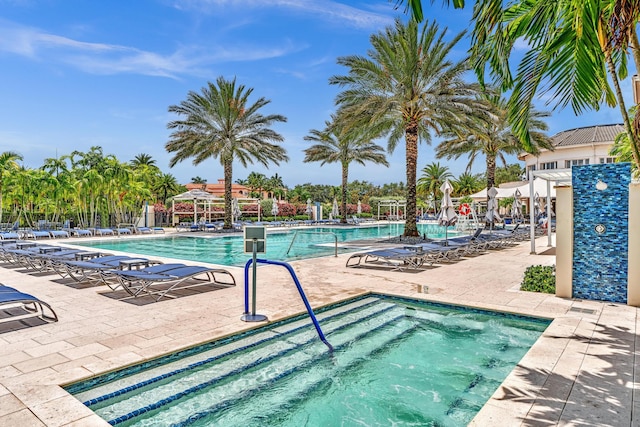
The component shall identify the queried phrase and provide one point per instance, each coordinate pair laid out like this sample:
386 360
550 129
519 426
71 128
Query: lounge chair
58 234
123 230
159 282
143 230
80 232
36 234
398 258
10 235
104 232
12 299
90 271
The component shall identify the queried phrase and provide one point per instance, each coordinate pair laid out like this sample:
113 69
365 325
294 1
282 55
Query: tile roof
600 134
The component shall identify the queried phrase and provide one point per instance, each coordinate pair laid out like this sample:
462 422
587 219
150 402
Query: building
580 146
217 190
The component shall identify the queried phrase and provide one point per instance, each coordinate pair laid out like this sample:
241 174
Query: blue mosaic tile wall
600 233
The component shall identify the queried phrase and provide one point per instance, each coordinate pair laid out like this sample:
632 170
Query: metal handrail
300 291
335 236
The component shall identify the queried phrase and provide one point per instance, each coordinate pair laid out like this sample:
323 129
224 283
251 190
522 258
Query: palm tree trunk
491 171
228 180
623 109
411 139
345 182
635 48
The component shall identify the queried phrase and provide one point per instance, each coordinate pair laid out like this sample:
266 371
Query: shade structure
335 212
274 207
516 207
359 210
492 206
447 214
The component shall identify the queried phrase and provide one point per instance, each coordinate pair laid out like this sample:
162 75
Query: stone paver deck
580 372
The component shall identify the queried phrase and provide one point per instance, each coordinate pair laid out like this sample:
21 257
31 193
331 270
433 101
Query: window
607 160
577 162
549 165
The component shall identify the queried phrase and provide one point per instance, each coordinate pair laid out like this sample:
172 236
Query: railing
335 236
300 291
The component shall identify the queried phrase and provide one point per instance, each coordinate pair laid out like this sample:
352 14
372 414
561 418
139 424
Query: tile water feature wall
600 234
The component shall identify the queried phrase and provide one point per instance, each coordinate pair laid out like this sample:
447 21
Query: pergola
208 202
395 207
558 176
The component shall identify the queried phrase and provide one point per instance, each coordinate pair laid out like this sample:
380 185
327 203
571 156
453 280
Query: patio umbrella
274 207
447 214
492 207
335 212
235 209
516 207
359 207
309 208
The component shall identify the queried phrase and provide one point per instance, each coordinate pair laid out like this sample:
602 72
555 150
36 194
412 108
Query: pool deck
580 372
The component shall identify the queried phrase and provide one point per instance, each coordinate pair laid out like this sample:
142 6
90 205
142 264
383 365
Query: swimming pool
229 250
396 362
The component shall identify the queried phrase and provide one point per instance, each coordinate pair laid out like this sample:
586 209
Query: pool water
229 250
396 362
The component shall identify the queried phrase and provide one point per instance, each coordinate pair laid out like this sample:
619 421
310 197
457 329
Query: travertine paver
580 372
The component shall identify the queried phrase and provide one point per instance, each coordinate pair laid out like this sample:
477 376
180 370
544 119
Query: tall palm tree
8 164
220 123
336 145
408 88
433 176
493 137
257 182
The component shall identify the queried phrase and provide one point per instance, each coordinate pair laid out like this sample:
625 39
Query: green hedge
539 278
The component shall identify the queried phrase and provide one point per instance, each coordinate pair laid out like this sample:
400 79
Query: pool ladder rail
312 315
335 238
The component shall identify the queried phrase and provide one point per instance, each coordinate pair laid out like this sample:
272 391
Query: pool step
240 392
277 359
341 316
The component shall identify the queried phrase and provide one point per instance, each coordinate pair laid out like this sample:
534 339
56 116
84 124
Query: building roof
600 134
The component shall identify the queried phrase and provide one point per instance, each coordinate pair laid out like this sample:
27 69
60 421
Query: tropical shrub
539 278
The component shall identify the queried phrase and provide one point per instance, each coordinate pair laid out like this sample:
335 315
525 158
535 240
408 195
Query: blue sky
79 73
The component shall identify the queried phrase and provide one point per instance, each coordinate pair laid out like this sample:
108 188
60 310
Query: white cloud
102 58
323 9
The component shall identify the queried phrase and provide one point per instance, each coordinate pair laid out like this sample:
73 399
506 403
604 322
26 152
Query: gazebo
208 206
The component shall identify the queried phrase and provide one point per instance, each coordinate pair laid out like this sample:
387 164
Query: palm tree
335 145
433 176
408 88
256 182
8 165
573 44
220 123
467 184
493 138
143 159
166 185
276 186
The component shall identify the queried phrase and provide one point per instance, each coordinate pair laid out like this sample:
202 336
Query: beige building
580 146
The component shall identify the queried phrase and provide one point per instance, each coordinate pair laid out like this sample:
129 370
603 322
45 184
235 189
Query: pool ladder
300 291
335 237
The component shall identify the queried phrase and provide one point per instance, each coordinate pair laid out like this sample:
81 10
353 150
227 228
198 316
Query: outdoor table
128 264
83 256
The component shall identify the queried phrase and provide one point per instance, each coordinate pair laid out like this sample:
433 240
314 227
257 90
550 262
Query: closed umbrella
359 207
235 209
492 207
309 208
335 212
447 214
274 208
516 208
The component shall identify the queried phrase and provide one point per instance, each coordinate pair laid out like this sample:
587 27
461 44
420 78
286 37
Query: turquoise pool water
229 250
396 362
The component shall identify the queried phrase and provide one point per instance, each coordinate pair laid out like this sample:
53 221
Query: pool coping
582 360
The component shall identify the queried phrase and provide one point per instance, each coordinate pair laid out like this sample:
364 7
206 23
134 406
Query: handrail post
248 317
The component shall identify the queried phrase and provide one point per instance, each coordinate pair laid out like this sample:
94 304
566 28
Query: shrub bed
539 278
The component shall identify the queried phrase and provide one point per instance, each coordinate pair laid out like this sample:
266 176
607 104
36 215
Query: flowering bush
159 207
